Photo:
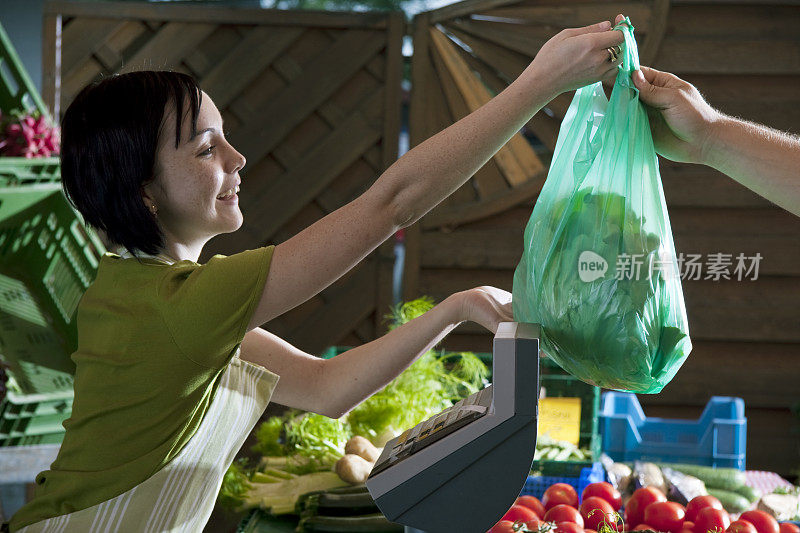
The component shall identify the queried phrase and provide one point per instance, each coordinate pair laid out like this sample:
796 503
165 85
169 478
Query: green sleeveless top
154 341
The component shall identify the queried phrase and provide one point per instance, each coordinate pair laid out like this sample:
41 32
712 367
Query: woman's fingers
607 39
619 19
593 28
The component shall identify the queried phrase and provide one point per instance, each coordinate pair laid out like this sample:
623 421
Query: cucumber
729 479
748 492
731 501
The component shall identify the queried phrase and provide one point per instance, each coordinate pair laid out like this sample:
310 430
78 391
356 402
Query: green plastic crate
34 418
18 92
19 171
557 384
48 259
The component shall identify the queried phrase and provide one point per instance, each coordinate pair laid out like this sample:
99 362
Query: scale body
466 480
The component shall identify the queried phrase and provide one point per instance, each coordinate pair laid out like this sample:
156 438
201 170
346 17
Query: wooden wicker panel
311 99
745 333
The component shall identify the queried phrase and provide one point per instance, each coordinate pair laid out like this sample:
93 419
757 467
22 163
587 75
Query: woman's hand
488 306
576 57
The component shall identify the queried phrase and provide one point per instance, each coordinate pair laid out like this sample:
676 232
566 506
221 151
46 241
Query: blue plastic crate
717 438
536 485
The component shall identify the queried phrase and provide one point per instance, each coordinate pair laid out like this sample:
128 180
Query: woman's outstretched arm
319 255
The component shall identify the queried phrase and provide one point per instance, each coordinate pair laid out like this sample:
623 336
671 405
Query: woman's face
189 180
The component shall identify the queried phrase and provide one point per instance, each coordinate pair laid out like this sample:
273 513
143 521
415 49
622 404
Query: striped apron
181 495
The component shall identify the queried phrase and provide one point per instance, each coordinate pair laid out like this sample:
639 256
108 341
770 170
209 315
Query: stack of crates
48 258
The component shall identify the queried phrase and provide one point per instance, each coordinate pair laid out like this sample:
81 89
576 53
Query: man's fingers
619 19
662 79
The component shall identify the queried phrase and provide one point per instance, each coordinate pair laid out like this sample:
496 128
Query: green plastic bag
598 269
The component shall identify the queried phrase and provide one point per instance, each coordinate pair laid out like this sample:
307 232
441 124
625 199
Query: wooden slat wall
311 99
744 58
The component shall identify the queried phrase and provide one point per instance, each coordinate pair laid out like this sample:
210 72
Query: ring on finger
612 55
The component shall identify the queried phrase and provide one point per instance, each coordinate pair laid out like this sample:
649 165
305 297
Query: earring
154 209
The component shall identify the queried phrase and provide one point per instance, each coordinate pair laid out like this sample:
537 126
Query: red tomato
595 510
534 524
560 493
711 519
786 527
741 526
603 490
665 516
700 502
563 513
642 527
568 527
503 526
763 522
519 512
532 503
634 509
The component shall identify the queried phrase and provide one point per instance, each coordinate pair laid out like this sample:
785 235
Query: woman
173 371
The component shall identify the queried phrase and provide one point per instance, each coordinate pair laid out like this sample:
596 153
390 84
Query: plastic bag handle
630 52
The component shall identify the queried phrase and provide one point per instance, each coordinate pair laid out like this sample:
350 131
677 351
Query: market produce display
652 502
306 452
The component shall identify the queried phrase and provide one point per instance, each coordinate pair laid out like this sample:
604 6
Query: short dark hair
109 140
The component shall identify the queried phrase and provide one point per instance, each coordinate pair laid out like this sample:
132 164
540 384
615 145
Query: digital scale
462 469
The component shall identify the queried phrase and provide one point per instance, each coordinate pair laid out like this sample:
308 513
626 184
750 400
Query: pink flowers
28 136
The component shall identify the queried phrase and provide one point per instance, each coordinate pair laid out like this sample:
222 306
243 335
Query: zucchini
348 524
731 501
728 479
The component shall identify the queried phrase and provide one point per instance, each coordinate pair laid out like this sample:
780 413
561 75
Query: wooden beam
222 15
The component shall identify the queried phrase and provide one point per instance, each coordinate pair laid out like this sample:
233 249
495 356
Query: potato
360 446
353 468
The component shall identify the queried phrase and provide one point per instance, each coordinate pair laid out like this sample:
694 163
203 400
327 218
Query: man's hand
680 119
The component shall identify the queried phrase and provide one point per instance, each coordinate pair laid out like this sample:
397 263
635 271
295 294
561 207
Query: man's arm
763 159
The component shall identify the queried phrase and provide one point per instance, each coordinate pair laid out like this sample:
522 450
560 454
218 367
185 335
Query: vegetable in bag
599 270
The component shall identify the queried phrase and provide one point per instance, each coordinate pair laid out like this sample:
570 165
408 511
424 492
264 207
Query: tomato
568 527
534 524
763 522
603 490
563 513
634 509
688 527
700 502
786 527
665 516
642 527
741 526
503 526
519 512
532 503
595 510
711 519
560 493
